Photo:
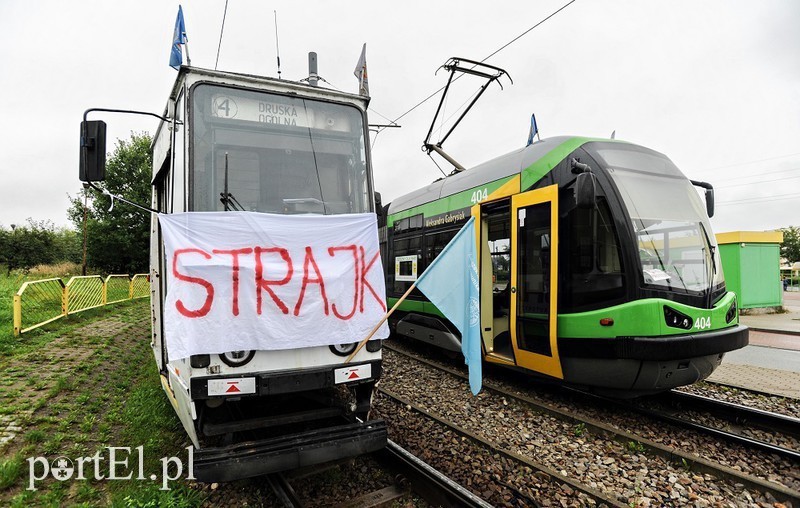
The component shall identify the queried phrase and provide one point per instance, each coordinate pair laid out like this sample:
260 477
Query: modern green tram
598 266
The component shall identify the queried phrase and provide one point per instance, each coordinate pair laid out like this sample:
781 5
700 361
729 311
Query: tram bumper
254 458
678 347
641 365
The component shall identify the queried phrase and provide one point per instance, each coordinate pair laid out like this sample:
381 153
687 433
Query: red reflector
606 322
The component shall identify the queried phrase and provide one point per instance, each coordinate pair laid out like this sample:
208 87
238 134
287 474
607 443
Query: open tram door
519 319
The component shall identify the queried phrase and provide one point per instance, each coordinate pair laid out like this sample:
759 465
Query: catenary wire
515 39
221 31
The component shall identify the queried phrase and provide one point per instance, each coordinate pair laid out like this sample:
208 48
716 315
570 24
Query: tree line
23 246
117 237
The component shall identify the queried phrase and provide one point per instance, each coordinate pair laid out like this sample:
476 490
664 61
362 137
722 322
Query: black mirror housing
585 190
710 202
93 151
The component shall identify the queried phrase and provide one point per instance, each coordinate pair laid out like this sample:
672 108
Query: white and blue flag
451 283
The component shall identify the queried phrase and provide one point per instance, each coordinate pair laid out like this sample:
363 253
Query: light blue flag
178 38
534 130
451 283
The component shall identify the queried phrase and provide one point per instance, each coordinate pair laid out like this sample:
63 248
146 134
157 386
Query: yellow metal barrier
140 286
42 301
38 302
117 288
84 293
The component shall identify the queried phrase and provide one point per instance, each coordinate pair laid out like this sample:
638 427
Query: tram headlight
237 358
731 314
200 361
677 319
343 349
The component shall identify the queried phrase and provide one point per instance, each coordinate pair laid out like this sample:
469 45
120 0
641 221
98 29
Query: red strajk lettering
354 249
206 307
364 282
235 273
309 260
265 284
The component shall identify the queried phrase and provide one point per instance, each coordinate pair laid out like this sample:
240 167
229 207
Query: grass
75 394
10 470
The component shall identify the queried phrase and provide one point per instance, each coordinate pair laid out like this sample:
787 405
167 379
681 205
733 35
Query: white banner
244 280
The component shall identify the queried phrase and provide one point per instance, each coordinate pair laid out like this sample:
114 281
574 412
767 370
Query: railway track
595 495
685 459
729 421
413 477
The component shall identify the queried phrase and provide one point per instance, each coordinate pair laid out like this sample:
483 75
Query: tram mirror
585 191
93 151
710 202
378 204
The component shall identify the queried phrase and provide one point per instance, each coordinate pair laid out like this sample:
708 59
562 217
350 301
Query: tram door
534 280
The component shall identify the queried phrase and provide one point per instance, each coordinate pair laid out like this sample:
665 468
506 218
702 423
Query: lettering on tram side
308 271
447 218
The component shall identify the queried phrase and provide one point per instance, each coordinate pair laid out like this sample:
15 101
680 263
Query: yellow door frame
507 190
549 365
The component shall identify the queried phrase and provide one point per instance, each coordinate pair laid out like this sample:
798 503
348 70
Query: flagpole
186 45
408 292
383 320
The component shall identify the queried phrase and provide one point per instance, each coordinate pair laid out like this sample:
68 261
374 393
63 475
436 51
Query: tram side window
411 246
435 243
592 259
408 224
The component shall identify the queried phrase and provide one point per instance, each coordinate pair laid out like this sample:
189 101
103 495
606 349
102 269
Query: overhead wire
743 177
758 182
779 197
221 31
515 39
748 162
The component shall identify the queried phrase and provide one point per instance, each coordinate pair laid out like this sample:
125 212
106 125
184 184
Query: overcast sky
715 85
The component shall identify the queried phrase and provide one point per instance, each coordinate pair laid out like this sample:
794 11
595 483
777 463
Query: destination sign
271 110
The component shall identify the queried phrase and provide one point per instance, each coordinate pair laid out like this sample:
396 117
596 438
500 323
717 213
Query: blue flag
451 283
534 130
178 38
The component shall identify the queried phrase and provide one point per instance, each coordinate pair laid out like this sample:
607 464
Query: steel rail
430 483
737 413
595 494
734 412
671 454
283 490
667 417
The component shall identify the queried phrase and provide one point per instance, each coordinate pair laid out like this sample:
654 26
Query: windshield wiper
226 197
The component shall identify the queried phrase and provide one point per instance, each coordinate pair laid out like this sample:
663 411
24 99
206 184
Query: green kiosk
751 262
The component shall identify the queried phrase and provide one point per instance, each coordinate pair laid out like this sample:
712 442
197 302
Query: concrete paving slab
752 377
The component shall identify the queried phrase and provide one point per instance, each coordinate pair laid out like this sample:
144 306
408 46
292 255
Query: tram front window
264 152
676 248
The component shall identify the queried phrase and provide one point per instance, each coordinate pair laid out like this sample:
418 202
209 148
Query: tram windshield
677 249
265 152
